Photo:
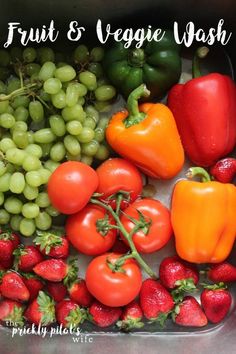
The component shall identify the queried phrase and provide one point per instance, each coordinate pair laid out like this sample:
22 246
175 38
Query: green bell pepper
156 64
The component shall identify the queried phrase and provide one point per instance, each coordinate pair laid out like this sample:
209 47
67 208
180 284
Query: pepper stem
135 116
198 171
199 54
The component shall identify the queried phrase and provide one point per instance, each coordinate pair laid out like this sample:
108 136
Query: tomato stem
128 237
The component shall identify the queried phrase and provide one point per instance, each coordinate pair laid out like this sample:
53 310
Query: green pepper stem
135 116
199 54
198 171
134 253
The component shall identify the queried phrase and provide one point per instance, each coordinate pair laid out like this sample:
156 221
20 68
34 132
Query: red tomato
71 186
82 231
116 175
113 288
159 231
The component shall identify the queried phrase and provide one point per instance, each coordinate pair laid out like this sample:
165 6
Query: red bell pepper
205 112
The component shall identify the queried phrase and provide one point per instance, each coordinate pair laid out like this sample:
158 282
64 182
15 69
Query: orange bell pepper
203 216
147 136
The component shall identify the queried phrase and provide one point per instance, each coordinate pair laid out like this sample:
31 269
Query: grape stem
18 92
128 236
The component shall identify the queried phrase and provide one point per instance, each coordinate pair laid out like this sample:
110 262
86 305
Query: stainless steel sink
172 339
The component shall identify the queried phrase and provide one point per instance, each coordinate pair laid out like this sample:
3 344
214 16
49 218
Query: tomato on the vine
71 186
115 175
113 287
89 231
156 228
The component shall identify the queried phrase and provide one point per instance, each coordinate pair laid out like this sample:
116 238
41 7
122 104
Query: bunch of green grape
51 110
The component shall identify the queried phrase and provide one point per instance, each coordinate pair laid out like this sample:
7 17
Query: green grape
27 227
6 144
102 81
102 153
30 135
35 150
3 106
16 54
86 135
11 168
105 93
45 54
99 134
91 112
4 57
36 111
7 120
15 156
81 54
52 86
21 114
42 200
81 101
47 71
31 163
30 192
4 217
52 211
30 210
58 152
51 165
73 113
20 138
82 89
61 64
44 136
57 125
45 174
10 110
88 160
59 99
15 222
46 149
102 106
13 205
43 221
96 69
70 157
65 73
74 127
44 96
90 149
33 178
20 125
89 123
17 183
32 68
3 167
20 101
103 123
29 55
72 94
38 125
13 84
34 78
97 54
72 145
88 79
1 198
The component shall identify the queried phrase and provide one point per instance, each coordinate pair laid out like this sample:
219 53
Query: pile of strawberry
39 286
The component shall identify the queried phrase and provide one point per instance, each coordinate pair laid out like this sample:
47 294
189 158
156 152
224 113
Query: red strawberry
13 287
173 270
69 314
156 302
189 313
26 257
15 239
56 270
6 247
131 317
52 244
104 316
224 170
216 302
222 272
33 284
7 264
41 310
57 291
79 293
12 312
